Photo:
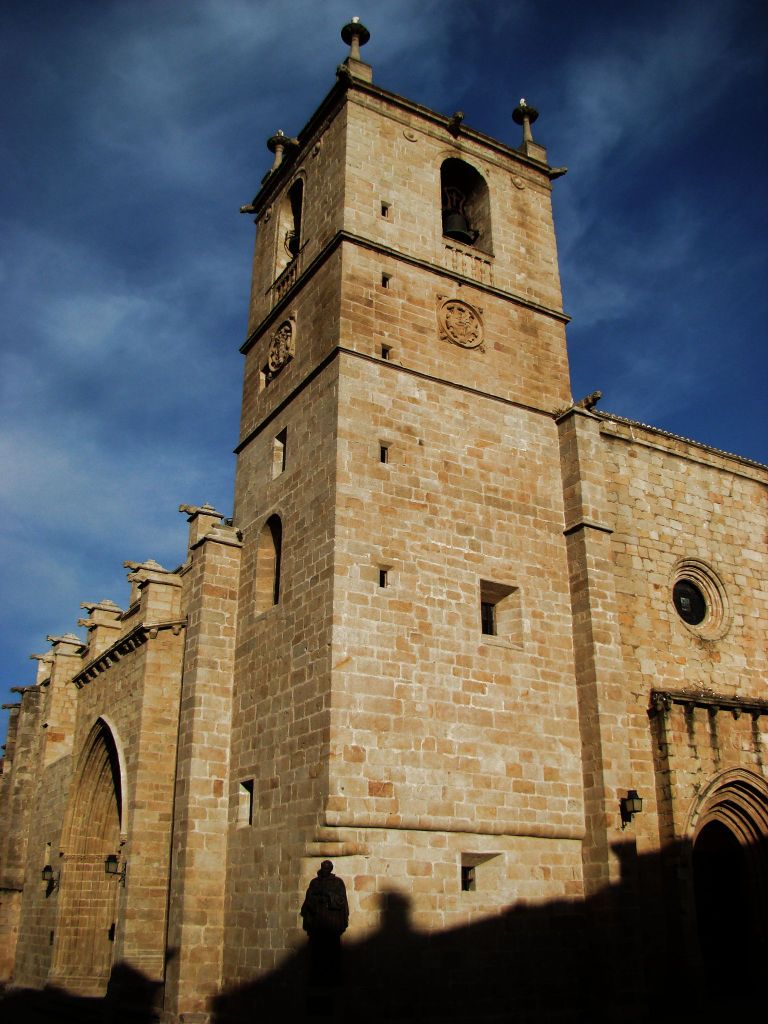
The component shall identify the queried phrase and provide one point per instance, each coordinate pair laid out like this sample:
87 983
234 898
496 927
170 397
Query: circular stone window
699 599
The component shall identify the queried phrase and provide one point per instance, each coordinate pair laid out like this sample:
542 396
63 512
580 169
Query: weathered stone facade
436 643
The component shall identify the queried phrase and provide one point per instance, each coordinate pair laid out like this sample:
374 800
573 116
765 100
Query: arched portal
88 897
730 875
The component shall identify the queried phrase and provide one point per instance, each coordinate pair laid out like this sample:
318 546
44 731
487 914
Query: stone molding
410 823
385 250
137 637
662 701
624 429
339 350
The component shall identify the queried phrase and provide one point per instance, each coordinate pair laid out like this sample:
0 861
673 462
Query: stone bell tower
404 689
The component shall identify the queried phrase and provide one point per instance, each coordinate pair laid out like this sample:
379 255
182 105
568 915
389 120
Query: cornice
662 701
611 426
385 250
346 85
135 638
340 350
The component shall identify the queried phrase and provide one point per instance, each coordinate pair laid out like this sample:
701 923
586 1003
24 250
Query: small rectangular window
501 612
386 352
385 208
383 577
264 377
245 803
384 453
279 453
477 871
385 279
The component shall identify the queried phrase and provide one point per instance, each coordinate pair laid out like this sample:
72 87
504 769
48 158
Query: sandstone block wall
671 501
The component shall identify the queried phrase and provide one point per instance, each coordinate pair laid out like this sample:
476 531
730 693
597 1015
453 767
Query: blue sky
135 129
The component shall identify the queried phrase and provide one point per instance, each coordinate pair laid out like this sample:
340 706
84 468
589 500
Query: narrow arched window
289 225
268 564
466 207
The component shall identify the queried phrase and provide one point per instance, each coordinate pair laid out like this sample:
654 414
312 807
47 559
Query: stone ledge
662 701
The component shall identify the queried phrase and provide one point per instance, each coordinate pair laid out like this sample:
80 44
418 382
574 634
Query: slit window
383 578
385 279
384 453
268 560
468 879
245 802
386 352
385 208
279 453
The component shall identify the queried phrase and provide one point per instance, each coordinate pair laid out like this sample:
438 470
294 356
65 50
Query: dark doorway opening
725 904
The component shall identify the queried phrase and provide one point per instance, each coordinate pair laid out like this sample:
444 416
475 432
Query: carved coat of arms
281 347
460 323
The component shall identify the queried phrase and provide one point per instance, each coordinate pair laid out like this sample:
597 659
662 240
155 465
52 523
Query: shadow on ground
629 954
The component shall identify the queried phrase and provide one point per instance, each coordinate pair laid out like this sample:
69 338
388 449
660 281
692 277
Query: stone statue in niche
281 348
460 323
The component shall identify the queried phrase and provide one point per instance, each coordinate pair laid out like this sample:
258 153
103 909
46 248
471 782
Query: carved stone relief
460 323
281 347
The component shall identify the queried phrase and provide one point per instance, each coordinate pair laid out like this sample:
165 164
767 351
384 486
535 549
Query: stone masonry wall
280 720
435 727
672 501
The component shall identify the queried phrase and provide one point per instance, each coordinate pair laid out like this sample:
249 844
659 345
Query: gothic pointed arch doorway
88 897
730 874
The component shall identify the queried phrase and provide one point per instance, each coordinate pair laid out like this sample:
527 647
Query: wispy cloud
136 131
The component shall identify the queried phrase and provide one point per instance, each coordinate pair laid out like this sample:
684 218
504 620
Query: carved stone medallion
281 347
460 323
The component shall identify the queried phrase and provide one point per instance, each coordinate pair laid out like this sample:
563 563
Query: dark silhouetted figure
325 915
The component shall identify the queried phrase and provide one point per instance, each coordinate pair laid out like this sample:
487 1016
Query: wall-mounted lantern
630 805
113 869
50 878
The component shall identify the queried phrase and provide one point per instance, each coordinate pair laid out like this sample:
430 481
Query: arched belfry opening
466 206
289 240
730 876
86 924
268 558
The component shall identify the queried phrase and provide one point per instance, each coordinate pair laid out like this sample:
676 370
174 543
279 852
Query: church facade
484 648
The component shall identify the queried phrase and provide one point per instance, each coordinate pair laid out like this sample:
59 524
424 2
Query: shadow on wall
131 998
632 953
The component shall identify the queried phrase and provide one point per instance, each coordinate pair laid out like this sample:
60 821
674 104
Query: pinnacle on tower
355 35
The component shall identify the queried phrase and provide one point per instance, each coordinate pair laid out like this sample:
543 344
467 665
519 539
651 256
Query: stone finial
195 510
67 638
355 35
202 519
104 605
150 565
525 115
44 666
276 144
